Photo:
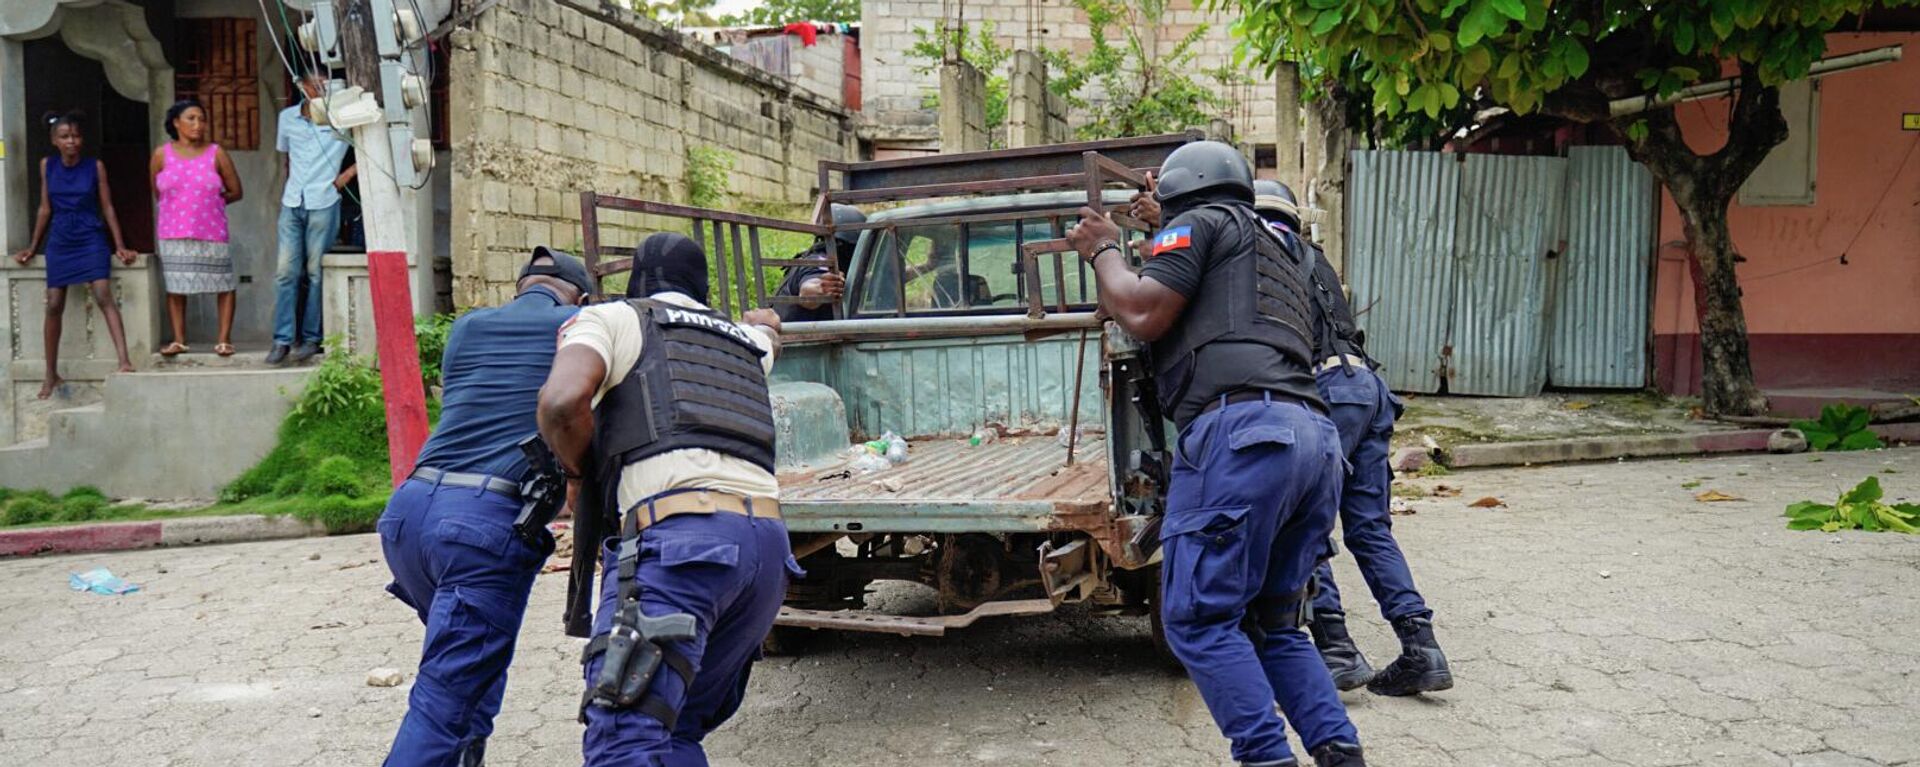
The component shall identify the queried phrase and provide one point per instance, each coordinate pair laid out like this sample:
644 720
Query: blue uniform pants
1248 512
1363 411
456 562
729 571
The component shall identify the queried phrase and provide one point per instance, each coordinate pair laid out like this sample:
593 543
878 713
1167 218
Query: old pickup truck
1037 461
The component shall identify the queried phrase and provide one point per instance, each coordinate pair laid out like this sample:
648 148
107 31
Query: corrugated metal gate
1494 275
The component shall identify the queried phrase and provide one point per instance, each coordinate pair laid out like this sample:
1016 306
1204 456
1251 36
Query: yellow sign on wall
1908 121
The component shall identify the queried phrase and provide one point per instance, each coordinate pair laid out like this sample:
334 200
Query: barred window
219 67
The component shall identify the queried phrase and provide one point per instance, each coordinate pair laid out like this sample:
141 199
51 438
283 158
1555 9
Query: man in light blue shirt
309 221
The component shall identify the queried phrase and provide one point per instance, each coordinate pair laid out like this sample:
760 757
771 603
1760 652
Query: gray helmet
1203 165
844 215
1275 200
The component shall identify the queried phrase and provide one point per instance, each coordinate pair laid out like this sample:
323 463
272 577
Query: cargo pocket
689 550
1205 553
495 539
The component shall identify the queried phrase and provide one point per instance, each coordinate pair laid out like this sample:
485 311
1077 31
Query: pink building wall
1812 320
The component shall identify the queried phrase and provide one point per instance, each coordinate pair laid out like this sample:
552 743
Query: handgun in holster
542 494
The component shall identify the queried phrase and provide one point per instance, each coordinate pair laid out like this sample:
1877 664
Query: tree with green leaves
1420 60
1145 85
678 13
777 12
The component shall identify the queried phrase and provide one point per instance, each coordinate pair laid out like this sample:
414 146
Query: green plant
1432 469
334 475
982 49
342 514
342 383
771 12
83 492
708 171
1856 509
1841 427
430 333
1147 85
28 509
83 508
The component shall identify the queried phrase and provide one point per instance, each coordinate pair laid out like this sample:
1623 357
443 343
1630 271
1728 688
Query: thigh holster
637 646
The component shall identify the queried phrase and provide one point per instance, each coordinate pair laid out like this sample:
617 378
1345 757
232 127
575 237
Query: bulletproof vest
1339 334
1257 293
698 384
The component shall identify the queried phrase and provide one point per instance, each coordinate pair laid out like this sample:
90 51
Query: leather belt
487 482
1248 395
1336 360
703 502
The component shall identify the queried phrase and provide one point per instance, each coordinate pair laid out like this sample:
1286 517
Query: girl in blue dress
75 200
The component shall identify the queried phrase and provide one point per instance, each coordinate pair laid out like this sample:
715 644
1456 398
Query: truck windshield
970 268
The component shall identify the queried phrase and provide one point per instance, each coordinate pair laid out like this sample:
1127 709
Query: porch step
182 433
245 357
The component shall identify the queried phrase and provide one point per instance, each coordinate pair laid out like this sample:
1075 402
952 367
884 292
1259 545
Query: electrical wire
1871 212
320 65
287 62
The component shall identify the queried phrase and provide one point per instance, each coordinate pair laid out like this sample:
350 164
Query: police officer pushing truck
1364 411
661 403
1228 310
465 535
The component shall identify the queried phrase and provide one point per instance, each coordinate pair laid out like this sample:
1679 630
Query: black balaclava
666 261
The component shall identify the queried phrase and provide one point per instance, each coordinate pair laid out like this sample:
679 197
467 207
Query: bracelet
1104 246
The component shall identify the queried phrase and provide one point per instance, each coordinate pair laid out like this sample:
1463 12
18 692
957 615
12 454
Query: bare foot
126 366
52 382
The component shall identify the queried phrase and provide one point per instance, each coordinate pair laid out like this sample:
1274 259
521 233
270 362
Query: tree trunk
1703 187
1726 377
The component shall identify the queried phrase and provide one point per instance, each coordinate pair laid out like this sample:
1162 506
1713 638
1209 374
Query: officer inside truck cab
1363 410
671 398
827 282
1227 308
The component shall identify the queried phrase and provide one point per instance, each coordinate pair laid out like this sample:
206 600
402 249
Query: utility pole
369 38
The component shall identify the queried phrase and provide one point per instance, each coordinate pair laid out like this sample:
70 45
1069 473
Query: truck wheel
1158 631
786 641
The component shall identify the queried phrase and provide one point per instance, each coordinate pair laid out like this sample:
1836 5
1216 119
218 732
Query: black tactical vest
1339 333
1258 293
698 384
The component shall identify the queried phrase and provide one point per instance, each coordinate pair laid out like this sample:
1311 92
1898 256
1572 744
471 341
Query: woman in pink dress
193 183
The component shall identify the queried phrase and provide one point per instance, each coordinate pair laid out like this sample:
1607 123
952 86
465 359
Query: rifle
590 528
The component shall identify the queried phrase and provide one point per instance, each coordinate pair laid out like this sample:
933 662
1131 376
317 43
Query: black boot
475 754
1343 658
1338 754
1421 666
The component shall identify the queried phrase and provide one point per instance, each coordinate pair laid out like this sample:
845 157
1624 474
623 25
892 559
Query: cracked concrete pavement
1603 617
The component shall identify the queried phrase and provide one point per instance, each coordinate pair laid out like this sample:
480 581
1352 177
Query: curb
1611 448
122 536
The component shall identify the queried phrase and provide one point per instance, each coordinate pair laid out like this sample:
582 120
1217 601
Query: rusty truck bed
1015 484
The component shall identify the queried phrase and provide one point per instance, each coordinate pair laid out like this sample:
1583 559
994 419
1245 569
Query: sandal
175 348
224 350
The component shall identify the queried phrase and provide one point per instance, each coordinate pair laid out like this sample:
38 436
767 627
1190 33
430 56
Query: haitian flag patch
1173 239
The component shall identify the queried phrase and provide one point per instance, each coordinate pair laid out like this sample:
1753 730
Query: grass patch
1432 469
330 464
39 508
1409 491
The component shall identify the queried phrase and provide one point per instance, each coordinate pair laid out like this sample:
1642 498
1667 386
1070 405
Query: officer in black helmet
1228 309
1363 411
826 282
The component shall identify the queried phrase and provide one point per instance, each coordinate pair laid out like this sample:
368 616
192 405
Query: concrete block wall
893 89
554 97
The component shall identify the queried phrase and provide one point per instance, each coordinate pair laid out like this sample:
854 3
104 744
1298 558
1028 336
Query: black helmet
1203 165
1275 200
844 215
